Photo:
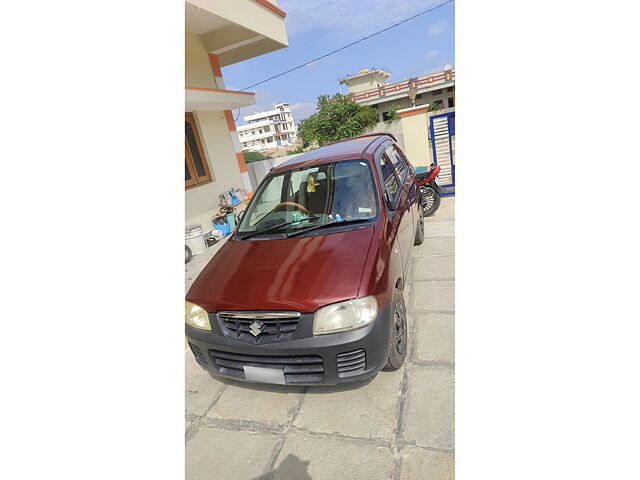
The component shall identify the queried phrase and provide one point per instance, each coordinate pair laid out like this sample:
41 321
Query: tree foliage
251 156
392 115
434 107
337 118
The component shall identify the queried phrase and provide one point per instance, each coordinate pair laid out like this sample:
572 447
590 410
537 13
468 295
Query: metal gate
442 129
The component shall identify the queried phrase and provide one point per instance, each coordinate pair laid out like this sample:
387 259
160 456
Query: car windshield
312 196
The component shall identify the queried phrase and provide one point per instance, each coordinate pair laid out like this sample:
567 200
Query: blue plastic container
231 220
223 227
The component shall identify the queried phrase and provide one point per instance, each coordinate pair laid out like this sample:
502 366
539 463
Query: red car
309 288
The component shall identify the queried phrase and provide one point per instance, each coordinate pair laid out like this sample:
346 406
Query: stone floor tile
306 457
429 407
362 410
446 211
439 229
424 464
436 246
435 340
435 267
260 403
435 296
200 388
217 453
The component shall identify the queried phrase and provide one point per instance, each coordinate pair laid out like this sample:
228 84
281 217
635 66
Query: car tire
187 254
398 337
419 229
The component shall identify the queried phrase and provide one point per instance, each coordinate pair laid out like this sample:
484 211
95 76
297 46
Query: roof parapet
364 73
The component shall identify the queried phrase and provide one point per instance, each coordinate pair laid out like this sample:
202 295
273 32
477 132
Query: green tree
250 156
392 115
434 107
337 118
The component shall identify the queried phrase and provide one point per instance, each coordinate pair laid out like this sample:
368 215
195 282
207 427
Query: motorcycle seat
422 176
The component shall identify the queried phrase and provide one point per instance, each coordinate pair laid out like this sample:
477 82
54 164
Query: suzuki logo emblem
256 328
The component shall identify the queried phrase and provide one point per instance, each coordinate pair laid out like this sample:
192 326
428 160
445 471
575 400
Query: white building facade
266 130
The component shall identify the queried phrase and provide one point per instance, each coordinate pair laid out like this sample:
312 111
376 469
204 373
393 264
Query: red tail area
434 173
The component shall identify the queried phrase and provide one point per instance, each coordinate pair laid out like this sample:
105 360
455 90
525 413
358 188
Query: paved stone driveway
399 425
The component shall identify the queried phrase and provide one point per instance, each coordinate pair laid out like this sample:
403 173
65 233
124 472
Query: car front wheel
398 337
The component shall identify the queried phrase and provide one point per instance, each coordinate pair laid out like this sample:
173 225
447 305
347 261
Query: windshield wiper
276 227
330 224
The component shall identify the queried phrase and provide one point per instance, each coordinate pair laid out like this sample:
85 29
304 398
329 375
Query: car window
397 161
310 196
270 197
299 179
389 178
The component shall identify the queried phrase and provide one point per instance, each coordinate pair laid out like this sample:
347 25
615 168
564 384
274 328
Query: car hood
299 273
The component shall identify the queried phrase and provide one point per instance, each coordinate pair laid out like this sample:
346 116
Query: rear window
397 160
389 178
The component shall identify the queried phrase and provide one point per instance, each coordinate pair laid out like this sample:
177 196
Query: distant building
270 129
370 87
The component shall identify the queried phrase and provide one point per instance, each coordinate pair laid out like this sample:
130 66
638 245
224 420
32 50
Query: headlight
196 316
345 315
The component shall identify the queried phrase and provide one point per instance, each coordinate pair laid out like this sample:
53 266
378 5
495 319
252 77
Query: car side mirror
240 216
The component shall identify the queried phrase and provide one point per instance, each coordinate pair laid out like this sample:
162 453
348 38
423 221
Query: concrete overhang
237 30
198 98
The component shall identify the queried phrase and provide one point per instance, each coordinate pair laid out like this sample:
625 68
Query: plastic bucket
196 243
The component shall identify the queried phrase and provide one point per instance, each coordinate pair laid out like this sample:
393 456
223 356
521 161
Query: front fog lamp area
196 317
343 316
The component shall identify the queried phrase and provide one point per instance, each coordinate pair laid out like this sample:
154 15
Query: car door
397 200
406 228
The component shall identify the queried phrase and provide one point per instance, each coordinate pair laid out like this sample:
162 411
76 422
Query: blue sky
424 44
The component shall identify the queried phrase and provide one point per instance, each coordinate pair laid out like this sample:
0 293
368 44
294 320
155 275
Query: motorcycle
429 190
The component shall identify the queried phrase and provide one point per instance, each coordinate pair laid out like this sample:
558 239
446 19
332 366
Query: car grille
297 369
269 327
349 363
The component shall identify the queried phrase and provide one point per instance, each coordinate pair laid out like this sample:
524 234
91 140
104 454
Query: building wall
372 89
394 128
259 170
201 202
197 66
218 136
404 102
412 132
366 82
244 29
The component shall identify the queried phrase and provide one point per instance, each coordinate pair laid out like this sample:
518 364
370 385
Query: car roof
334 152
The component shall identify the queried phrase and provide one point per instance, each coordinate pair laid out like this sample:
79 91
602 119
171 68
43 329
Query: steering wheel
291 204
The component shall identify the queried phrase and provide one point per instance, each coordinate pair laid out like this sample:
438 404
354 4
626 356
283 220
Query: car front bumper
305 359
